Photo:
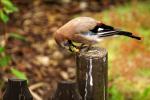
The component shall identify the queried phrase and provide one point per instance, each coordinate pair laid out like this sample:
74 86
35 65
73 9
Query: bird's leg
81 47
70 49
88 48
84 47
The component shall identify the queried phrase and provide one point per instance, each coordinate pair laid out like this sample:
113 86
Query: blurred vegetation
7 7
27 48
129 72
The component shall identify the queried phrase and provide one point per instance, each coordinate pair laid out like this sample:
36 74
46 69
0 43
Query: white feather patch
100 29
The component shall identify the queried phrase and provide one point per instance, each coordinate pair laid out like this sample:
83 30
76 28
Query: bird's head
59 38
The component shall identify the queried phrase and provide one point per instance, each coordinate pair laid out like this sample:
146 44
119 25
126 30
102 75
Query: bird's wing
102 30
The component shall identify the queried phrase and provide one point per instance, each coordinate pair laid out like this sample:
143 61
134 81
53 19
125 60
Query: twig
35 96
37 85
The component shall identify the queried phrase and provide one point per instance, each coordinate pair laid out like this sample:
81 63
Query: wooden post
92 74
67 91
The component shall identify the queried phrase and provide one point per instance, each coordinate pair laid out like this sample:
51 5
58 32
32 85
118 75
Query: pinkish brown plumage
73 28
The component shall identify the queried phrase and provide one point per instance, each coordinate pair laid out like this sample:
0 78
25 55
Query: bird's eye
65 43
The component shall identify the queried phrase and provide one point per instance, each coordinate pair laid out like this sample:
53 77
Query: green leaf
2 49
115 94
146 93
7 10
18 74
3 17
6 3
17 36
4 61
9 5
10 10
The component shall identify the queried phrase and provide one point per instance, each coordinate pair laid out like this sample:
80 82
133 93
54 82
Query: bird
83 32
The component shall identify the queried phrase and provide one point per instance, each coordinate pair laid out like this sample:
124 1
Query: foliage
4 59
115 94
3 16
7 8
18 73
2 49
131 63
146 94
17 36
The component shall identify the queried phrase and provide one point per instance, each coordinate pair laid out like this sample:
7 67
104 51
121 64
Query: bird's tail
117 32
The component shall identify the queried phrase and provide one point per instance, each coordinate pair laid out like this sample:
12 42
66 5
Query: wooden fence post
67 90
92 74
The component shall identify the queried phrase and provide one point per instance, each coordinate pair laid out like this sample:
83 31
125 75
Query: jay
82 32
